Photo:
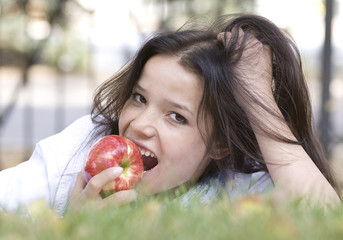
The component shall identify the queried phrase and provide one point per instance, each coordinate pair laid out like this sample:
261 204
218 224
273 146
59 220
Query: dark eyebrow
174 104
139 87
179 106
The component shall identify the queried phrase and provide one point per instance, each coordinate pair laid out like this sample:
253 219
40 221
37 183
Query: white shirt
51 171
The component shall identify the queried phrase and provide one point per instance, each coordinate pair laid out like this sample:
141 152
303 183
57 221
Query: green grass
253 217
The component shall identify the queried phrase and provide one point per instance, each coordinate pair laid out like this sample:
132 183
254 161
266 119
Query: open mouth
149 160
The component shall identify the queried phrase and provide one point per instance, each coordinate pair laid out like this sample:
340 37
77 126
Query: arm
84 192
24 183
50 172
292 170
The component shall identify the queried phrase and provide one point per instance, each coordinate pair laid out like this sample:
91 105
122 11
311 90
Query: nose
144 124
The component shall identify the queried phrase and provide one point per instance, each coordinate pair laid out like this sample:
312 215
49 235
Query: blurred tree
26 28
325 118
172 10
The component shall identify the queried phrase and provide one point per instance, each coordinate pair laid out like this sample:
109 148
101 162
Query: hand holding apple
115 151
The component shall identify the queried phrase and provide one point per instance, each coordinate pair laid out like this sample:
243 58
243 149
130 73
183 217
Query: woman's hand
90 192
254 70
288 164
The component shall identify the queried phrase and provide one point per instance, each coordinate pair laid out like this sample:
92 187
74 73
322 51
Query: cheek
190 159
124 120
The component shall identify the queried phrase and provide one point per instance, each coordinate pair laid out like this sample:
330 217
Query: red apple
113 151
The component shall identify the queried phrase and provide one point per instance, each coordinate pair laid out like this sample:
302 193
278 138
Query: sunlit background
54 53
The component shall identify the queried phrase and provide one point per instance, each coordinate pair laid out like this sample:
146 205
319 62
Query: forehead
164 74
166 64
167 83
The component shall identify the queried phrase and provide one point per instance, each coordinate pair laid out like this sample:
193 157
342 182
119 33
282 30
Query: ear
219 152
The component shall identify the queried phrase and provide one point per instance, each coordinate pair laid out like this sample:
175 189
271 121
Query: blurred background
54 53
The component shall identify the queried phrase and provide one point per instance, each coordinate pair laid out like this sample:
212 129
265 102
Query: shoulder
238 185
64 155
80 128
70 143
51 170
241 184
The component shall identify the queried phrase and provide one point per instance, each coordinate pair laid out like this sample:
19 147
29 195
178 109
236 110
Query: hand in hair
287 161
254 68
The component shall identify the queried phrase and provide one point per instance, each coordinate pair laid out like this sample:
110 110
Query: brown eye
139 98
178 118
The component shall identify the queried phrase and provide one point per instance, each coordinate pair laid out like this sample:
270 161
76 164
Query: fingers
97 182
254 66
80 184
224 37
76 198
119 198
253 50
251 42
83 191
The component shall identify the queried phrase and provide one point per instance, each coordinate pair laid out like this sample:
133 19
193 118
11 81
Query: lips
149 159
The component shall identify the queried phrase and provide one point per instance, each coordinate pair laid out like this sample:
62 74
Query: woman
225 104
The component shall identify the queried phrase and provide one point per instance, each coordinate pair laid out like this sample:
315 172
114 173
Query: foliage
253 217
41 31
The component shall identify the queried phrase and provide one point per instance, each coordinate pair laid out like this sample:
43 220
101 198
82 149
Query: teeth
147 153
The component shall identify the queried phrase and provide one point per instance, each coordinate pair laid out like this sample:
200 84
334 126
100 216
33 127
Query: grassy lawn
252 217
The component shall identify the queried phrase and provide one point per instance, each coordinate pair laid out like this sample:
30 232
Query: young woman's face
161 118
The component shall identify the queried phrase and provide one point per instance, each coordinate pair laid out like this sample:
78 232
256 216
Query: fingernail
118 170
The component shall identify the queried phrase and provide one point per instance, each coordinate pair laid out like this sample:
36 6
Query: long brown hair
200 52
